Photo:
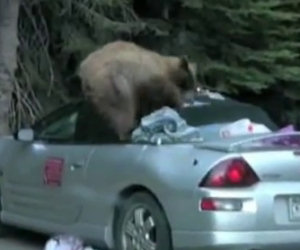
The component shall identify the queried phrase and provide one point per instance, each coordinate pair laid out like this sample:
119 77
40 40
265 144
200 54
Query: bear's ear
184 62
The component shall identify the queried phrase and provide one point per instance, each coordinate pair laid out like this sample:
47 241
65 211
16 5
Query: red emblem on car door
53 171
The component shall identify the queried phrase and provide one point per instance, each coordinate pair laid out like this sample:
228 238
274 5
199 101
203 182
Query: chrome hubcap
139 231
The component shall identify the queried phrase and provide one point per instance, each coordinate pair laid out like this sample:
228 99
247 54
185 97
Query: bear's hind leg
117 106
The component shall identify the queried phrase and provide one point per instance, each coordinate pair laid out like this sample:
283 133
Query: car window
62 129
58 126
75 124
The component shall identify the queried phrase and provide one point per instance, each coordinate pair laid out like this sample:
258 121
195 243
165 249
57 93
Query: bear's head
183 73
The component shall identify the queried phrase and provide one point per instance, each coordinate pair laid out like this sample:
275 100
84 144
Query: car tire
141 224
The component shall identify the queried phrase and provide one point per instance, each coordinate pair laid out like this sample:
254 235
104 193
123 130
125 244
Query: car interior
224 111
79 123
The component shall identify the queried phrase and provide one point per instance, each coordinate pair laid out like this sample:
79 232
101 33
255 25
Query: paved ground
22 240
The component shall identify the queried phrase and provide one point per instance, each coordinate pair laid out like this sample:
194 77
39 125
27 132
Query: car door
41 181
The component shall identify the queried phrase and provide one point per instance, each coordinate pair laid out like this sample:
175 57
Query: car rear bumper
260 240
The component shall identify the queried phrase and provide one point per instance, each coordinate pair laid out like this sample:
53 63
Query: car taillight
220 204
230 173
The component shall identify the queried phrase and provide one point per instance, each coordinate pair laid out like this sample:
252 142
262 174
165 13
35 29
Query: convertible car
68 173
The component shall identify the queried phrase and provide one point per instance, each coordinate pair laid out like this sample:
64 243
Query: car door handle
76 165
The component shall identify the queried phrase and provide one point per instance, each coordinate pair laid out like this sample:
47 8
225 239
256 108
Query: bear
125 82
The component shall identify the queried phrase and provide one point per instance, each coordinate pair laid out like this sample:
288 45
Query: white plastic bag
65 242
242 127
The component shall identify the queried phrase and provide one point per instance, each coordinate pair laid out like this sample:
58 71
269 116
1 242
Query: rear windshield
224 111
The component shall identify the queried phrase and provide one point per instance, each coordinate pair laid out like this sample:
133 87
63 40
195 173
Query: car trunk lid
273 156
258 142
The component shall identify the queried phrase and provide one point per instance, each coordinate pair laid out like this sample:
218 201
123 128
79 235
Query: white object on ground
213 95
65 242
242 127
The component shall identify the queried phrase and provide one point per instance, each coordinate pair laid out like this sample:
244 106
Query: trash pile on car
166 126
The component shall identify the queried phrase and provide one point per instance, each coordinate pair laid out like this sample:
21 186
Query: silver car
69 174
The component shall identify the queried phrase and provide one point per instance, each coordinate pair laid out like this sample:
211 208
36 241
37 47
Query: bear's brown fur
125 82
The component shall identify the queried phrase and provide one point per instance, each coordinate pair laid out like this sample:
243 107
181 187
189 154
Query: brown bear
125 82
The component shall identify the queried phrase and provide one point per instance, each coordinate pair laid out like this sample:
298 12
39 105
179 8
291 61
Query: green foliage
239 45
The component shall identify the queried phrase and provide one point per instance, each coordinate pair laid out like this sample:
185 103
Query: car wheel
141 225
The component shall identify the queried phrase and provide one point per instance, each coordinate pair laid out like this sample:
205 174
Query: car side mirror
26 135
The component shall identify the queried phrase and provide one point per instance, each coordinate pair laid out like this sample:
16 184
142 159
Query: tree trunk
9 13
